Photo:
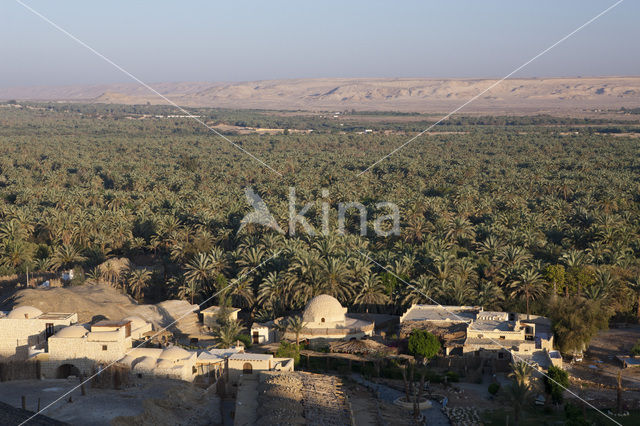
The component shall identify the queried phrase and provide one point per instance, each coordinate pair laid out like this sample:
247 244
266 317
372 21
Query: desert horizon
524 95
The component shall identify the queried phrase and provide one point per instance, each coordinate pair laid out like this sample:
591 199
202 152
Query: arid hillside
421 95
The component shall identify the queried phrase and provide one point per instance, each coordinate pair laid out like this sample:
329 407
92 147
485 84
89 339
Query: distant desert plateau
538 95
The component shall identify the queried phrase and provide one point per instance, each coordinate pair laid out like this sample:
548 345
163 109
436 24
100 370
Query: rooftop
441 313
492 325
491 343
109 323
55 316
250 357
216 309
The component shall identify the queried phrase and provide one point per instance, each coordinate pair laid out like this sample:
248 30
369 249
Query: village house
173 362
211 315
65 348
487 334
25 330
242 364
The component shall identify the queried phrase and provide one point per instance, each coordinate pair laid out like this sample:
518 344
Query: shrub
423 344
574 415
635 350
494 388
555 383
452 376
245 339
78 276
289 350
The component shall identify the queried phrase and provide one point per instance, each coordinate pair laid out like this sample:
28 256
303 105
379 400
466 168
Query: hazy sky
251 40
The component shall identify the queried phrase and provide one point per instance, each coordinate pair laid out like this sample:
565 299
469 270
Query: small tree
423 344
555 383
635 350
296 325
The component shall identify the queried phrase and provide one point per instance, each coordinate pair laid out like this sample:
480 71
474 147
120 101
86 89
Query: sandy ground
98 406
600 367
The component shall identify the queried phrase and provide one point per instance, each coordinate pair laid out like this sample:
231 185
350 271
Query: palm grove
520 217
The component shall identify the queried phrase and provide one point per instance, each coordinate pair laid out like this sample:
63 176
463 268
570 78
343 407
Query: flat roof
504 344
109 323
215 309
492 325
441 313
250 357
56 315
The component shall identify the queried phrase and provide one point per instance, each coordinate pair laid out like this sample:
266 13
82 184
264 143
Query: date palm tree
296 325
634 284
199 270
137 281
529 286
227 334
66 256
335 278
371 292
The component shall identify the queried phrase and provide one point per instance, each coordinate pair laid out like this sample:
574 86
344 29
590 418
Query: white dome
73 332
324 308
23 312
146 363
174 353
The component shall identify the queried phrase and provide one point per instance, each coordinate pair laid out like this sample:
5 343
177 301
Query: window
104 347
321 319
502 337
480 336
247 368
193 370
49 331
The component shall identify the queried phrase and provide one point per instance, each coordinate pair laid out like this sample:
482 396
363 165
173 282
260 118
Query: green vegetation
289 350
556 381
635 350
494 388
423 344
510 213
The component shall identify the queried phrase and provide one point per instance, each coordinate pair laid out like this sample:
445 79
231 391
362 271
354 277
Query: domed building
324 318
24 312
324 311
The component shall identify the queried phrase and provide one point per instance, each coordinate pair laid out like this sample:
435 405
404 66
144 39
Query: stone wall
16 335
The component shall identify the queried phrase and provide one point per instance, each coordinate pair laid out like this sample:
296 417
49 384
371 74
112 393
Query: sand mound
92 300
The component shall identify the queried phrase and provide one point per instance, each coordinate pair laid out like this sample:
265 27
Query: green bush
423 344
289 350
574 415
494 388
635 350
78 276
245 339
452 376
556 381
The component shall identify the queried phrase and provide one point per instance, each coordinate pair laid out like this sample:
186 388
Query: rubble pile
280 400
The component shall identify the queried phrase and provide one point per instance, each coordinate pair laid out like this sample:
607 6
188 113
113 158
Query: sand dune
422 95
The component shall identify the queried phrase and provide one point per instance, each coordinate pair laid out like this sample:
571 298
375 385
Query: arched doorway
247 368
66 370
